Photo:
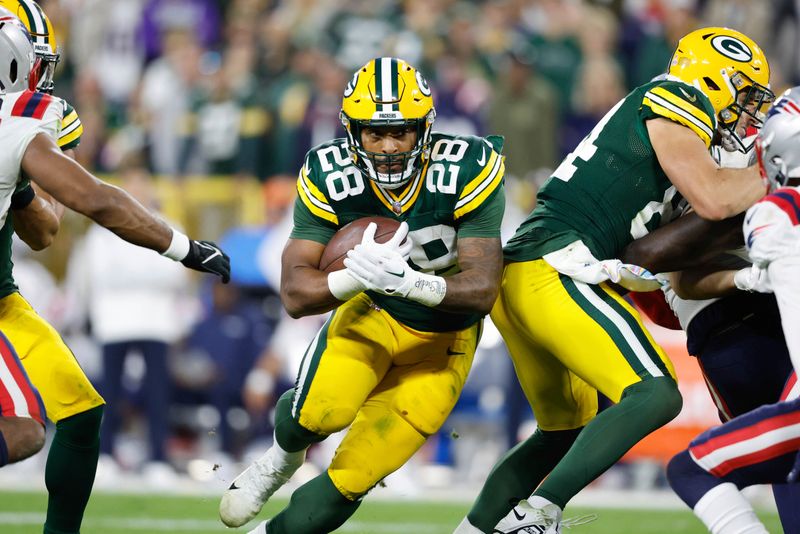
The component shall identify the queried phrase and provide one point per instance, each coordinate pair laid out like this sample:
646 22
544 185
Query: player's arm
703 282
36 215
689 241
714 192
475 288
70 184
304 288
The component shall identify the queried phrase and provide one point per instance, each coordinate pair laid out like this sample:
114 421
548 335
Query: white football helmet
16 54
778 142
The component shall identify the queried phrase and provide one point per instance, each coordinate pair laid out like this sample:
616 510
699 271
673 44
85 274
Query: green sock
290 435
517 474
69 474
644 407
316 506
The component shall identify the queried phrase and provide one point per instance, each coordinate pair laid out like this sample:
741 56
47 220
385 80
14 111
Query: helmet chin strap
33 77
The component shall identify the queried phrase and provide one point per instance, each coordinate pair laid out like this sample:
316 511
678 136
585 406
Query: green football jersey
611 189
69 137
459 193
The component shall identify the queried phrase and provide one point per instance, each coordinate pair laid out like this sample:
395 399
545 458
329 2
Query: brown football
349 236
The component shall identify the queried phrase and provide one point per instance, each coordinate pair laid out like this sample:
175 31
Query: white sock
465 527
282 458
724 510
539 502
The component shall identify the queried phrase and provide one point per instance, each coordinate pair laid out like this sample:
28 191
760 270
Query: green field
22 513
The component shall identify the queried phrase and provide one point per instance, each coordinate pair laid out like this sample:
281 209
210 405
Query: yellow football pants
393 385
50 365
569 340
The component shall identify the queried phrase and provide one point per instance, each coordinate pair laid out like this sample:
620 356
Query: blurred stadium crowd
204 109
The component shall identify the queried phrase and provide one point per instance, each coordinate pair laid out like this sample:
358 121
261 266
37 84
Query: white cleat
525 519
261 528
245 497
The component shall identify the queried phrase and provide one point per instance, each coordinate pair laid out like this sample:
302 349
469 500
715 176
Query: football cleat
261 528
245 497
525 519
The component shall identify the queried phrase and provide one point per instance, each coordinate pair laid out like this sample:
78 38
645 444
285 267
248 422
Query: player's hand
629 276
753 278
398 243
207 257
379 268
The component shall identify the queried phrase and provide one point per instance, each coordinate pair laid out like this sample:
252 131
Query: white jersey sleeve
23 116
771 228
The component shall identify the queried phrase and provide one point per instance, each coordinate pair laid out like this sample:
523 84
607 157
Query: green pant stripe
605 323
635 327
309 366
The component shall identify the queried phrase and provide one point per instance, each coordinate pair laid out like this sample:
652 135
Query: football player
21 409
392 359
760 446
30 125
569 332
73 404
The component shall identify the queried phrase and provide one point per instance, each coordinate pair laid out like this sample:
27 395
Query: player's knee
81 430
660 397
353 473
328 420
24 437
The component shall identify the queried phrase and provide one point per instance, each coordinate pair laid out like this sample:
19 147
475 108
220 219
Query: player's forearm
304 291
728 193
688 242
703 283
36 224
114 209
475 288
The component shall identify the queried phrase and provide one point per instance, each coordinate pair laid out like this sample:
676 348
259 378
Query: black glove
207 257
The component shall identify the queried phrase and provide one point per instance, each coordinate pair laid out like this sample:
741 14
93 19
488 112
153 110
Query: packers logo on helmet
44 41
733 72
388 92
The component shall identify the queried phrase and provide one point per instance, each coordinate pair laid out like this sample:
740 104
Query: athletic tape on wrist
428 289
179 246
343 286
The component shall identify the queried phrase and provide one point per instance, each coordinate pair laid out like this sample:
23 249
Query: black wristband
22 198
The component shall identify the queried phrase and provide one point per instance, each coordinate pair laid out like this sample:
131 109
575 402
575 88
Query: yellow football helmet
44 42
388 92
732 71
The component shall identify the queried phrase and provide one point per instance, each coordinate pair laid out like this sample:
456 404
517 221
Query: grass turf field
23 513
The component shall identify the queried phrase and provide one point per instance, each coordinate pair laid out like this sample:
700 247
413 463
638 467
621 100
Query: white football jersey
23 115
772 236
771 228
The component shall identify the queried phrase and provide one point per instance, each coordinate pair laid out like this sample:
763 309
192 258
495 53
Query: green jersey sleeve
485 221
314 218
681 103
71 128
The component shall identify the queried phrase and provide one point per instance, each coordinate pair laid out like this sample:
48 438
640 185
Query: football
349 236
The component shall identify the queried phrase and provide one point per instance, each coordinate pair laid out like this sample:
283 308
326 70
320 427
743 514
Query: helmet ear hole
711 84
13 70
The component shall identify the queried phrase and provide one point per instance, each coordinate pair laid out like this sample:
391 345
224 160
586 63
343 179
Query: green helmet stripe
395 91
38 27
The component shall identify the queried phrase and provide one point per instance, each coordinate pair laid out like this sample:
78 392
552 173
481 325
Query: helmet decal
732 48
351 85
423 85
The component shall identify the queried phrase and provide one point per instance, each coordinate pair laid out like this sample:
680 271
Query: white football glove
630 276
397 243
753 278
343 285
383 269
